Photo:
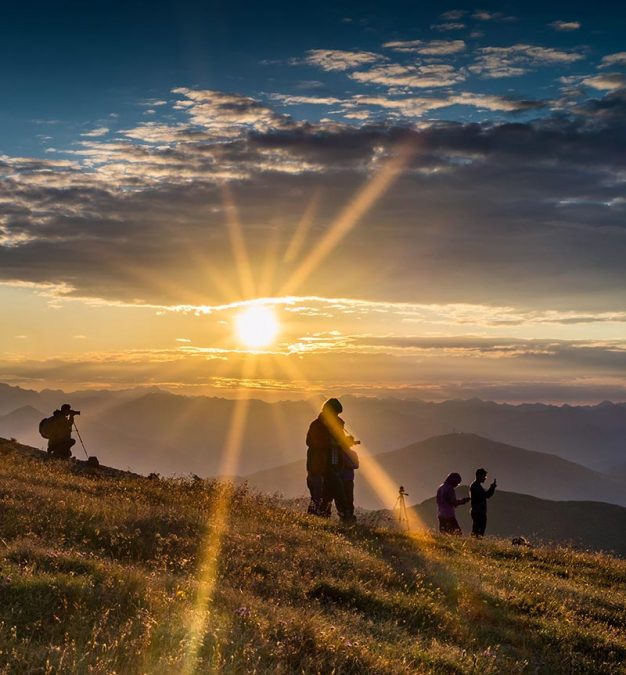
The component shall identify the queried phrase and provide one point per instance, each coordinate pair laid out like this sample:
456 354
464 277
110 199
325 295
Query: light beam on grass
218 519
369 194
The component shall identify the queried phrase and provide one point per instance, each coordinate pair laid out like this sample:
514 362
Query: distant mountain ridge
422 466
150 429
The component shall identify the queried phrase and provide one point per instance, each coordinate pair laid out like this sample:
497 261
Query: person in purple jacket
447 503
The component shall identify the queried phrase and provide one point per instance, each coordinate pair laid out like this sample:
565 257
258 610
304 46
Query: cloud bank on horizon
502 229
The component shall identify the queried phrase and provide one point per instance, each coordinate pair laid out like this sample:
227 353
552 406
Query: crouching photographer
58 430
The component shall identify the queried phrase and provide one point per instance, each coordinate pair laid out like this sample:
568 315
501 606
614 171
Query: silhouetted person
60 439
350 464
447 503
326 459
479 497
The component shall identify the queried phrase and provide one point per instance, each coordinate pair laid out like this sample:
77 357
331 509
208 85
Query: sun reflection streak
217 525
350 216
238 243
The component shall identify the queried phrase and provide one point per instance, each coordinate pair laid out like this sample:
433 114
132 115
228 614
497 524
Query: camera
74 412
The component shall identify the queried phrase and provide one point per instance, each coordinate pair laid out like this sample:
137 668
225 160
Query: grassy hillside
113 573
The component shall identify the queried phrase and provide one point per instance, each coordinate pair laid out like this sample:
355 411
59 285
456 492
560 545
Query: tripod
80 439
400 505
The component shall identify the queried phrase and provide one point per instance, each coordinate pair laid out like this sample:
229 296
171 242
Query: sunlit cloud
99 131
340 60
396 75
606 81
496 62
610 60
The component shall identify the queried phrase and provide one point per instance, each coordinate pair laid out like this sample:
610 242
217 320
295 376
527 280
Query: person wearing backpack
326 441
58 430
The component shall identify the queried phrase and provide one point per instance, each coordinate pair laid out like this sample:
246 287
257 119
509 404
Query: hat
334 405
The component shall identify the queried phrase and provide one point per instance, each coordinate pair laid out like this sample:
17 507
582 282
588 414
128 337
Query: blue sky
67 66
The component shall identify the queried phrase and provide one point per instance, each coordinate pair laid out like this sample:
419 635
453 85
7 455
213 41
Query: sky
429 197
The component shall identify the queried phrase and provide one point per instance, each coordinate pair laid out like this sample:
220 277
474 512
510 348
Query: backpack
46 427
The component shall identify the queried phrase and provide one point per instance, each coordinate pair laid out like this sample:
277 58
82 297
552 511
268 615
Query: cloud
483 15
396 75
287 99
450 367
496 62
565 26
430 48
526 213
225 113
100 131
453 14
416 106
448 26
610 60
606 81
340 60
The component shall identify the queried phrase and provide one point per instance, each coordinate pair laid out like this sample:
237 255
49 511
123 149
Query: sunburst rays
219 518
356 208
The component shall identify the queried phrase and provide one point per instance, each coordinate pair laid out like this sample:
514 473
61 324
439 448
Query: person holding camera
60 439
479 497
447 503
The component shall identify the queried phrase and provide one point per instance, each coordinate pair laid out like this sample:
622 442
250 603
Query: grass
99 574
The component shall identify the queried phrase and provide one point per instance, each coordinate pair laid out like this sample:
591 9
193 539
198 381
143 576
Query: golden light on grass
218 522
256 326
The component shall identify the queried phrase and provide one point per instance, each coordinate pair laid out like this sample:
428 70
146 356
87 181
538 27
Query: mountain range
422 467
152 430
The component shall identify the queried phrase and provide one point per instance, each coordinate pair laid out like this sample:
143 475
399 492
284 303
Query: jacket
446 497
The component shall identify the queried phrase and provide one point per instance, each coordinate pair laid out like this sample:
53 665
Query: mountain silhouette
153 430
422 466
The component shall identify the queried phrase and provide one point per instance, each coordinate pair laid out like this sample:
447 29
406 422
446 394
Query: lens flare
256 326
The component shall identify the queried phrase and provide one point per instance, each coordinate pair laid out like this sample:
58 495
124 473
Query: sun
256 326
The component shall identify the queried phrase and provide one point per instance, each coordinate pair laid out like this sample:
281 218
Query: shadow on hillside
473 605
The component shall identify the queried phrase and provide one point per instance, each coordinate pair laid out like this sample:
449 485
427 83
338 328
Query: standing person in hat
447 503
479 497
327 462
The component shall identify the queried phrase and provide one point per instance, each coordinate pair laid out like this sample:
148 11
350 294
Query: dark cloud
528 213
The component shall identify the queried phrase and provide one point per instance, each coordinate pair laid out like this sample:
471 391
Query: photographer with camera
58 430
